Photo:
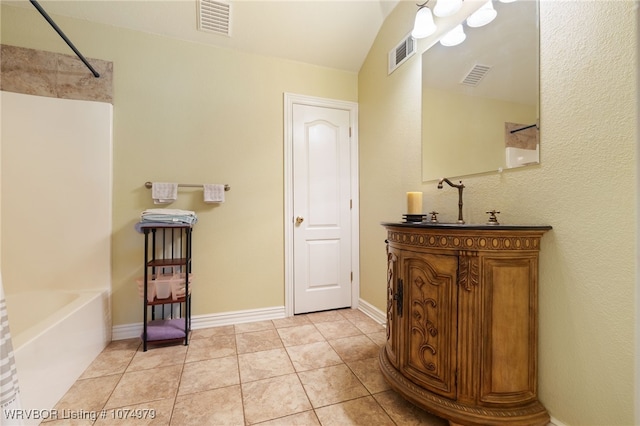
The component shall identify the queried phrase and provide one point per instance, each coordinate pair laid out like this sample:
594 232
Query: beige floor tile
254 326
404 413
273 398
353 314
264 364
368 325
209 374
313 355
355 348
325 316
331 385
156 413
214 347
136 387
258 341
368 372
337 329
114 359
207 333
362 411
268 372
218 407
62 421
308 418
158 357
86 396
300 335
379 338
291 321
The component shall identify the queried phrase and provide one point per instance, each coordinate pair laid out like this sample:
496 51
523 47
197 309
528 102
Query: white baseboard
373 312
130 331
556 422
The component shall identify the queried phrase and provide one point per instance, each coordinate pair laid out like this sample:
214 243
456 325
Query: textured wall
585 187
588 188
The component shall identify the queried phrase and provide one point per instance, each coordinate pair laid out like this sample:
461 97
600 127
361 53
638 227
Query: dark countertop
469 226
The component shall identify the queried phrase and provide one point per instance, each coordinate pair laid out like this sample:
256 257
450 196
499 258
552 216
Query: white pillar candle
414 202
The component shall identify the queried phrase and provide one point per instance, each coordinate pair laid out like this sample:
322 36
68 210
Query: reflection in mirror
480 98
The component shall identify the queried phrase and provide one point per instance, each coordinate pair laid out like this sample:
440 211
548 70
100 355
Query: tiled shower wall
55 75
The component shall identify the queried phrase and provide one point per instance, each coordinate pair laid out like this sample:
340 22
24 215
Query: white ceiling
331 33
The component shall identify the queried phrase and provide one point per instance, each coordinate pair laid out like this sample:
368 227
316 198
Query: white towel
213 193
9 389
164 193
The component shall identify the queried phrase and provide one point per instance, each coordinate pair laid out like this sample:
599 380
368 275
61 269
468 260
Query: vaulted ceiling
331 33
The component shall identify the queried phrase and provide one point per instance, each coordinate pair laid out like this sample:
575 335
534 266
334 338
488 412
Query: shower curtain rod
64 37
523 128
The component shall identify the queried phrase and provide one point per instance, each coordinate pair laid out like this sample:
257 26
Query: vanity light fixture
424 25
453 37
482 16
446 8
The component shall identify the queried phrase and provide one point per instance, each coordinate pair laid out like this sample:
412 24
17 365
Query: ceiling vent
476 74
403 51
214 16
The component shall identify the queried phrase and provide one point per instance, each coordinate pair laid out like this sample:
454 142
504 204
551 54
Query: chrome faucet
460 187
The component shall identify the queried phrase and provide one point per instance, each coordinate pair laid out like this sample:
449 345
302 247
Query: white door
321 208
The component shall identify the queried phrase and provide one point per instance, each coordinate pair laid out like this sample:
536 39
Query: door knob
299 220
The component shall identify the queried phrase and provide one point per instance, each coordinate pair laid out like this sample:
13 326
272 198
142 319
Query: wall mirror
480 98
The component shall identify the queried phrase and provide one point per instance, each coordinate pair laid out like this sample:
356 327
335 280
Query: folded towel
163 192
168 212
168 216
213 193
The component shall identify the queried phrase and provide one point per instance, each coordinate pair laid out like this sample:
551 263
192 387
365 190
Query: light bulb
446 8
482 16
453 37
424 25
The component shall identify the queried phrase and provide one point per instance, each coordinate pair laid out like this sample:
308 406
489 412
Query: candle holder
414 218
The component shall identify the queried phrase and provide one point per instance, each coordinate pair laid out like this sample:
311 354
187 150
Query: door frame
290 100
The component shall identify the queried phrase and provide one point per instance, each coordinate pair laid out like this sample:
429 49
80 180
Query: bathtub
55 336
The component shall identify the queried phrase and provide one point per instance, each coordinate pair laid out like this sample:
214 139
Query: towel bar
187 185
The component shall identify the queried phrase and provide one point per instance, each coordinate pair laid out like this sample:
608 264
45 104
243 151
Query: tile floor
314 369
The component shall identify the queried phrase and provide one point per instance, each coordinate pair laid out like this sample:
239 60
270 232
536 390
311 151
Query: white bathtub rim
30 334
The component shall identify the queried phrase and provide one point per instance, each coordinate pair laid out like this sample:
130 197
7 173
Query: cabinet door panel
431 320
510 305
393 313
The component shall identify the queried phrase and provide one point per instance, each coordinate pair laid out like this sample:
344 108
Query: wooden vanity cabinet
462 305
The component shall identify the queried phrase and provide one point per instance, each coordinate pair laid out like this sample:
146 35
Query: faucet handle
493 219
434 217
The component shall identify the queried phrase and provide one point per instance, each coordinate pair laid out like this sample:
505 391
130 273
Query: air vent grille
214 16
476 74
403 51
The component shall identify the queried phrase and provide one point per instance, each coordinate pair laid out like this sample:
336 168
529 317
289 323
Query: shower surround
56 177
